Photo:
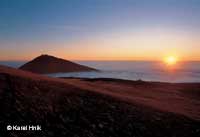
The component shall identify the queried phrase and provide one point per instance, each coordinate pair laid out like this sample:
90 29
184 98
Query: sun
170 60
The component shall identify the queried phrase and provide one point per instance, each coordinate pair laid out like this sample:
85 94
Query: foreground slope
180 98
64 108
46 64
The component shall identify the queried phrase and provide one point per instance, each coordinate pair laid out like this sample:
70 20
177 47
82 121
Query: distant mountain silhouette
46 64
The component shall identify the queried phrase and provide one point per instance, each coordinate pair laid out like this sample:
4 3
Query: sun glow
171 60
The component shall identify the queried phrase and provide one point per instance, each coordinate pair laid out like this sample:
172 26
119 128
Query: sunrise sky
100 29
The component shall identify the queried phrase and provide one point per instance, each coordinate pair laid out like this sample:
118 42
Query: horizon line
104 60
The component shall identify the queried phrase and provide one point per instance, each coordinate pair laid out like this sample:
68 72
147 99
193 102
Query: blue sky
32 27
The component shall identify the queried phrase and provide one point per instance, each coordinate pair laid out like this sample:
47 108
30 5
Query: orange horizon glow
169 60
144 45
106 56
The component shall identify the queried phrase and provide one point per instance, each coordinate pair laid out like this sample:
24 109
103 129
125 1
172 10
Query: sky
100 29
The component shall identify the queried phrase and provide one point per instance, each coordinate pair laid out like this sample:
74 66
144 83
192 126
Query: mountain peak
46 55
45 64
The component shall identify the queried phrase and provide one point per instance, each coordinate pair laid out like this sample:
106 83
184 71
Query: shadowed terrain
94 107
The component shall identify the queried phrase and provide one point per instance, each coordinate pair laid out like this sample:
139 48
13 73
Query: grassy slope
66 110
